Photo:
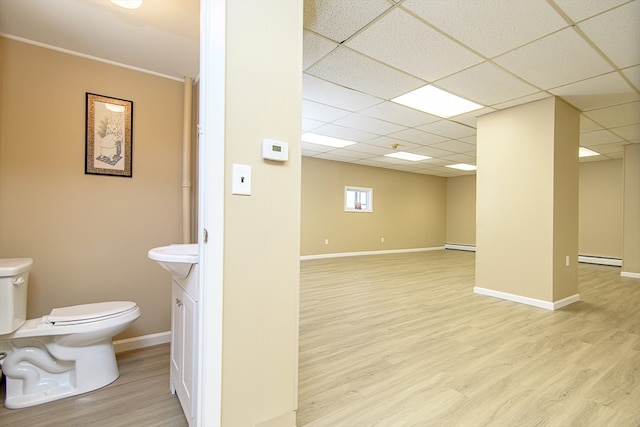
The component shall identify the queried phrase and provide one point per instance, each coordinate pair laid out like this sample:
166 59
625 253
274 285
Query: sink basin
178 259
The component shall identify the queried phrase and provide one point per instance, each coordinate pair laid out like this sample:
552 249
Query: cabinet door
177 336
183 348
188 346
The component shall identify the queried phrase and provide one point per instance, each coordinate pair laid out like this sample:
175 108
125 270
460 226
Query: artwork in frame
108 136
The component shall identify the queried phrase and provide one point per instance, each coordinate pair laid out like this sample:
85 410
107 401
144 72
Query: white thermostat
275 150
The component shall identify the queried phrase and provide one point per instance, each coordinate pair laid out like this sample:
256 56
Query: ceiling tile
387 143
628 133
315 47
416 49
523 100
470 119
497 85
597 92
431 151
369 124
614 147
318 90
579 10
619 155
617 33
556 60
597 137
310 124
469 139
354 154
372 150
417 136
490 27
618 116
344 133
339 19
460 158
334 157
448 129
314 149
351 69
321 112
399 114
370 162
588 125
633 74
455 146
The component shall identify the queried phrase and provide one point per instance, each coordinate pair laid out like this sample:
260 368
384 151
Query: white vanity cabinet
183 348
182 261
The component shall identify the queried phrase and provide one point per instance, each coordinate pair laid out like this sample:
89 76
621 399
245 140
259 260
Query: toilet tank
14 277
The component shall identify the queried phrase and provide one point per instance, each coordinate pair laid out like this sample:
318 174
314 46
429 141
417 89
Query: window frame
353 188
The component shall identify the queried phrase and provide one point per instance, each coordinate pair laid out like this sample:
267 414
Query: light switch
241 180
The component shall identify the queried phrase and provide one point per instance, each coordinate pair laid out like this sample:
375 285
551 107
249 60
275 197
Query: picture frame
109 136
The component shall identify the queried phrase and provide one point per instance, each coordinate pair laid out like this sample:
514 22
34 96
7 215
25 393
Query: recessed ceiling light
435 101
463 167
128 4
329 141
585 152
403 155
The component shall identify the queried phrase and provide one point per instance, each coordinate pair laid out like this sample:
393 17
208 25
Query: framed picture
109 133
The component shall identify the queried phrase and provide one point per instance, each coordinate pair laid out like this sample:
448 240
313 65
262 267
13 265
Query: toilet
65 353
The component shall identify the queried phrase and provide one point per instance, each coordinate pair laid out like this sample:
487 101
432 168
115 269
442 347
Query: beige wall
88 235
461 210
631 214
600 224
262 231
409 210
600 209
525 196
566 145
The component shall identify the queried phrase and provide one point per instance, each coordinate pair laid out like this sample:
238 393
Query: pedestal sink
178 259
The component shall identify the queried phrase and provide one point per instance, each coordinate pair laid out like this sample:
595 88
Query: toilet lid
89 312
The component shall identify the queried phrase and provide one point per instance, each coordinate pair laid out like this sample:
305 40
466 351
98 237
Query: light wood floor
401 340
139 397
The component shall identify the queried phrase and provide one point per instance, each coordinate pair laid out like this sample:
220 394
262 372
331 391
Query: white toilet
66 353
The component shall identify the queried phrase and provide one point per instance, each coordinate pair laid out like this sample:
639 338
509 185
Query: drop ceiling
359 54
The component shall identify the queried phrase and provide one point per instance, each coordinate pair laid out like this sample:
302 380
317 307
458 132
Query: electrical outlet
326 241
567 260
382 240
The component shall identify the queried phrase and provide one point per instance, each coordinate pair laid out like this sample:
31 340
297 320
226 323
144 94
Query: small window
358 199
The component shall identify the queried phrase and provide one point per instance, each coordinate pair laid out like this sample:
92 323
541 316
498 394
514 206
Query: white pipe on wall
186 161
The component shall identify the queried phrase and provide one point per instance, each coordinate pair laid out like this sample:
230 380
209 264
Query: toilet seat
87 313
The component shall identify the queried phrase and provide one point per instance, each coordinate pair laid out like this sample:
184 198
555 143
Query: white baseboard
141 342
470 248
391 251
587 259
526 300
629 274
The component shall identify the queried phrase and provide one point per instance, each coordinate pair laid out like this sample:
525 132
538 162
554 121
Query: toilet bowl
65 353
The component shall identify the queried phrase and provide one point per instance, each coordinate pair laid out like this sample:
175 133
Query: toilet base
37 374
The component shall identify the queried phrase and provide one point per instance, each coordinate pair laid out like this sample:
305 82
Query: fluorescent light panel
436 101
403 155
463 167
585 152
328 141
